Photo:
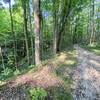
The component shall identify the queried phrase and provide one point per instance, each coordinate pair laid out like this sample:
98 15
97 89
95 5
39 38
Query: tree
37 24
55 27
31 35
63 22
1 55
24 5
13 33
92 23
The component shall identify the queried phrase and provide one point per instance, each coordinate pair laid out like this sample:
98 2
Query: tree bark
55 29
14 39
32 45
2 59
37 24
25 29
92 21
62 26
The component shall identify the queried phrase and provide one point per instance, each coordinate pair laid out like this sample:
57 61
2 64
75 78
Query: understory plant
38 93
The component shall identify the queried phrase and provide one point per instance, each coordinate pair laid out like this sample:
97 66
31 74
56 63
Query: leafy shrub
7 72
10 59
38 93
17 72
59 93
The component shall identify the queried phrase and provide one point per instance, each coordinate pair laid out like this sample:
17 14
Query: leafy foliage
38 93
63 23
60 93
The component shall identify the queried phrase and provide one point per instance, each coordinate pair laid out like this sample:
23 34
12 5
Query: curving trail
86 76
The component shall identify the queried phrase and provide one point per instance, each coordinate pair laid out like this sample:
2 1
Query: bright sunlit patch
6 5
72 53
62 57
97 51
2 83
94 62
70 62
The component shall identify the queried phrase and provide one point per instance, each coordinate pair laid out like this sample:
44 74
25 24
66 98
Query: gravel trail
86 76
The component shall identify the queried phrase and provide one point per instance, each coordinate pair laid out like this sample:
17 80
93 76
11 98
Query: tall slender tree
24 5
55 28
63 22
12 30
92 22
2 58
37 24
30 24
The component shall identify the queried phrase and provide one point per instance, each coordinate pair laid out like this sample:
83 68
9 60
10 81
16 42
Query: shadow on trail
87 76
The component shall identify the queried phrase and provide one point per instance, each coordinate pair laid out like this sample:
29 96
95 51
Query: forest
49 49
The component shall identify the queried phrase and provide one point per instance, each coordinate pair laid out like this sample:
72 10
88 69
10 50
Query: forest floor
55 77
60 77
87 76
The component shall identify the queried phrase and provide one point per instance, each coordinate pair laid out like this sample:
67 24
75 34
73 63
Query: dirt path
87 76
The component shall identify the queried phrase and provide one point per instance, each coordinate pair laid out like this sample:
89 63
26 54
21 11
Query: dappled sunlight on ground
95 49
2 83
70 62
95 63
87 76
56 73
65 58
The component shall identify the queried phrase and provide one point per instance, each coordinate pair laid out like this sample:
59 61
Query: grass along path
94 49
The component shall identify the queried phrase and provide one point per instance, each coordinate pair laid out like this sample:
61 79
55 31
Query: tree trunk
92 21
75 38
25 30
63 25
32 46
37 30
14 39
2 59
55 28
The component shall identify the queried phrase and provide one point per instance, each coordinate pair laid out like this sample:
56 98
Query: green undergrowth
59 93
9 73
65 62
51 93
93 48
37 93
63 65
